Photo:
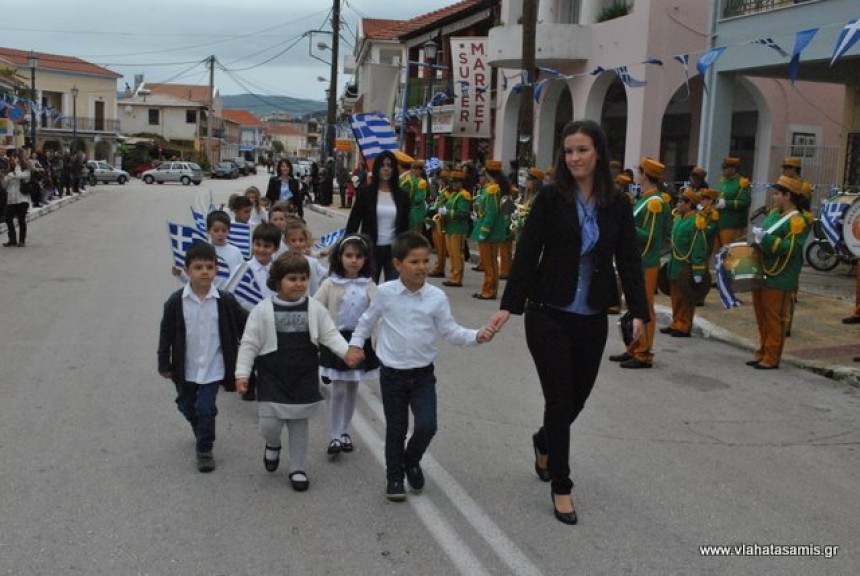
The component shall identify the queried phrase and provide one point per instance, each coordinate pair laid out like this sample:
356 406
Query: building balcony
66 123
732 8
555 44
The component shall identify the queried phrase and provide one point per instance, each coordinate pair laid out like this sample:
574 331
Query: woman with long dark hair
381 211
563 268
283 187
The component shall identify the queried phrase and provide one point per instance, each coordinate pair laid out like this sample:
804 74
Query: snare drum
742 264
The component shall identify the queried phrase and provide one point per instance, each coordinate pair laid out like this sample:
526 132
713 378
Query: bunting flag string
707 60
802 40
771 44
628 80
684 60
847 38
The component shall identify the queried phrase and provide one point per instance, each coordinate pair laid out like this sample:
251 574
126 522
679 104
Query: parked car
101 171
225 170
138 170
184 172
302 168
245 167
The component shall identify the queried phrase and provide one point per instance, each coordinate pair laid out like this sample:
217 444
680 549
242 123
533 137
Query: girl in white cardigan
347 293
281 340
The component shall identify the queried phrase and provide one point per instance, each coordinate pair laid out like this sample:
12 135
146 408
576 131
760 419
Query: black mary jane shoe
272 465
299 480
751 362
542 473
565 517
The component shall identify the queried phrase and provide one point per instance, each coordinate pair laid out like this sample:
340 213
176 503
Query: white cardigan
260 337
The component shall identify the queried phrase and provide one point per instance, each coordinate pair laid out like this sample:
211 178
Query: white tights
297 431
343 395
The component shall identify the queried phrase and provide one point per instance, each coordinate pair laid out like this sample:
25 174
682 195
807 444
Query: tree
278 146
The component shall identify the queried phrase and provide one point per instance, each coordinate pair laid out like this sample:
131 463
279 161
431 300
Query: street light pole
430 54
33 61
74 119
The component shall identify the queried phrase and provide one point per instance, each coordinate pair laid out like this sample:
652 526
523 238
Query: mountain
261 106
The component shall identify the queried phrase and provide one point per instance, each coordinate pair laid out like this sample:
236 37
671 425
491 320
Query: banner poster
471 78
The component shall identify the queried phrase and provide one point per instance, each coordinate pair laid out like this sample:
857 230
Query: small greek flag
240 237
199 220
181 238
771 44
247 290
849 35
373 133
629 80
724 282
831 216
330 239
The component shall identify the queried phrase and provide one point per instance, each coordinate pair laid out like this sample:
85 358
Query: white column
589 11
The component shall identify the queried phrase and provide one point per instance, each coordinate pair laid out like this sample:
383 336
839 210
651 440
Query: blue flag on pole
330 239
181 238
373 133
247 291
801 41
199 221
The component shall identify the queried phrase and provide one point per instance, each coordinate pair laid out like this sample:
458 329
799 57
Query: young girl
280 341
298 238
258 213
347 293
278 215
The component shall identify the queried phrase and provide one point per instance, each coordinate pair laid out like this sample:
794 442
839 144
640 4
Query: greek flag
724 282
831 216
771 44
247 291
847 37
330 239
199 221
373 133
240 237
629 80
181 238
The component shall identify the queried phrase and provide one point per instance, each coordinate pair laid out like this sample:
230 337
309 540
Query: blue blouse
587 213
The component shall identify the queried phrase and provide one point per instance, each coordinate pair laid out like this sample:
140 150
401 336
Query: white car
104 172
184 172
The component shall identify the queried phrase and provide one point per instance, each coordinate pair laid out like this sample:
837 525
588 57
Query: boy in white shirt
411 315
218 228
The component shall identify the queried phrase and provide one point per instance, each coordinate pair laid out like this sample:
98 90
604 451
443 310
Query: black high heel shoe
565 517
542 473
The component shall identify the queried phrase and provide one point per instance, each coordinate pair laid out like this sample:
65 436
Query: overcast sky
259 42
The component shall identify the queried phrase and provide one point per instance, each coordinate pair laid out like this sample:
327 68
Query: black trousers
566 349
19 212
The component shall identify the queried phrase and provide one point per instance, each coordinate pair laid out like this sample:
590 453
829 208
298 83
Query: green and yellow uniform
734 216
416 187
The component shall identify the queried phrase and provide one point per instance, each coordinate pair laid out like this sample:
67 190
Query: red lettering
463 72
464 101
464 115
477 48
479 112
462 58
478 125
480 80
479 65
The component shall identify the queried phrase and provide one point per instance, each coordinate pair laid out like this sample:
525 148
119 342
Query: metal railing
733 8
84 124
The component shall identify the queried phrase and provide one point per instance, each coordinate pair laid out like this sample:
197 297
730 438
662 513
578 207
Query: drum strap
780 222
777 268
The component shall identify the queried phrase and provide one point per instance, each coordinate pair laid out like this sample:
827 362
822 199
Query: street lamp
430 55
74 118
33 61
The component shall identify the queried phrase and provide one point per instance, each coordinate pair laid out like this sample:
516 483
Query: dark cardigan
171 341
362 217
545 269
273 190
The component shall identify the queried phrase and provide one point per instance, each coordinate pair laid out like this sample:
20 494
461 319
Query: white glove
697 279
758 232
442 211
721 203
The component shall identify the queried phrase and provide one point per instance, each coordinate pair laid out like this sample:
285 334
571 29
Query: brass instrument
520 214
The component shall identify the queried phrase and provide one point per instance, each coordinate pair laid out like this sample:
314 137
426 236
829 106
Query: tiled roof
241 117
378 29
55 62
187 91
429 18
287 129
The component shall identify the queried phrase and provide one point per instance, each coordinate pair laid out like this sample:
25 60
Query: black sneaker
415 477
205 462
395 491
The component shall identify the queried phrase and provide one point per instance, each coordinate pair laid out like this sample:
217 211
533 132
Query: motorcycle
822 255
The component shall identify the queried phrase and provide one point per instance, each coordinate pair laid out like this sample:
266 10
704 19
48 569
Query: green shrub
616 10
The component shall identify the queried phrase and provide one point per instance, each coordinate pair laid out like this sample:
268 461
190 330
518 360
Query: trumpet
758 212
519 215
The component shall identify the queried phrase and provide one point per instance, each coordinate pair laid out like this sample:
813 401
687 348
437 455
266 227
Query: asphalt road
98 474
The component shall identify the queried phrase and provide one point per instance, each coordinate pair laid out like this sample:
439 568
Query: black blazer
545 269
273 190
362 217
171 341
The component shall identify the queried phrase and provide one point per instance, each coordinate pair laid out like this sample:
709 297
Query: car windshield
194 166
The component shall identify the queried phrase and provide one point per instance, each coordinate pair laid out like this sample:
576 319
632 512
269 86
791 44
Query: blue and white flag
831 216
801 41
330 239
240 237
629 80
247 291
706 60
769 42
684 60
181 238
724 281
847 37
199 221
373 133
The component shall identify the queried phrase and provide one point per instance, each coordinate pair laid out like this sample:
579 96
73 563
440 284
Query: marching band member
687 263
733 204
780 238
455 218
708 219
623 182
651 216
414 184
437 230
490 228
697 179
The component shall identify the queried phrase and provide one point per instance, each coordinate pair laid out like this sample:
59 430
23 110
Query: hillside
262 106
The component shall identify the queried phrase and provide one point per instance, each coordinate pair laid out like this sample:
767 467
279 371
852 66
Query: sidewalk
45 209
819 342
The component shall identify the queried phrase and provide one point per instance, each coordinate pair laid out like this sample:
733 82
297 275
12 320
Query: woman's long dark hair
288 163
501 180
604 188
377 166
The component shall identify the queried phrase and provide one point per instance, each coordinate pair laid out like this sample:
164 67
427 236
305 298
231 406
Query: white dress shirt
204 362
410 323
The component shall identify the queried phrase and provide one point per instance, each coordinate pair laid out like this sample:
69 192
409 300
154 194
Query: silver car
184 172
103 172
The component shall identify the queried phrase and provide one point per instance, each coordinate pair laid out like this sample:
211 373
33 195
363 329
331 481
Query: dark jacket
545 269
273 190
362 217
171 341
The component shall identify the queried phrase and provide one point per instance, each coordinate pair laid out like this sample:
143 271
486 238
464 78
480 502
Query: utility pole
211 117
331 117
525 123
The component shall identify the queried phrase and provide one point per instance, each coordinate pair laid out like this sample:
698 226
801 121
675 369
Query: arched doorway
613 117
556 110
509 127
679 132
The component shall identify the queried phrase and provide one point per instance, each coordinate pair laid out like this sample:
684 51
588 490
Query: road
98 472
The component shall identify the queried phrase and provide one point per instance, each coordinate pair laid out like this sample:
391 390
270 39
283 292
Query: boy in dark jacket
191 355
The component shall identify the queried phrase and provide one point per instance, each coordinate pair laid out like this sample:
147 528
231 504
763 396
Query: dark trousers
566 349
403 390
197 404
19 212
383 263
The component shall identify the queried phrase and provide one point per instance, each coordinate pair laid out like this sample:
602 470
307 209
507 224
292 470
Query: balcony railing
733 8
84 124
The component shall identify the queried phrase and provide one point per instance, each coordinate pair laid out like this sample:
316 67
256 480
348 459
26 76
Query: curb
46 209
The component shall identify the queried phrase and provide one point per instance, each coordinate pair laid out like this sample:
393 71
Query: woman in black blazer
381 211
283 187
563 279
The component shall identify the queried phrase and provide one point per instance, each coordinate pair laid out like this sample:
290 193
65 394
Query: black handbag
625 325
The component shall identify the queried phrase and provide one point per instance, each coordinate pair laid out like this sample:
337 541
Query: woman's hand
498 320
638 328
